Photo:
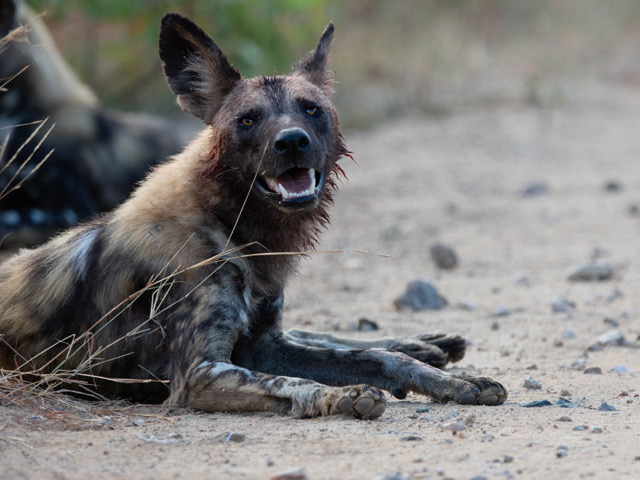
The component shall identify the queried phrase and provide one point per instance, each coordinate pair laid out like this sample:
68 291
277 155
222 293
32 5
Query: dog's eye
247 122
311 110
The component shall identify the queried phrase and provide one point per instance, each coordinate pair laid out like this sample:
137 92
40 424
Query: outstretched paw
468 390
434 349
360 401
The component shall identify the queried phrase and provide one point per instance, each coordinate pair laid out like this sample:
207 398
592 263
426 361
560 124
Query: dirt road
456 179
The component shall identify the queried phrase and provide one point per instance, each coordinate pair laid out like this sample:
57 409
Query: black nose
291 140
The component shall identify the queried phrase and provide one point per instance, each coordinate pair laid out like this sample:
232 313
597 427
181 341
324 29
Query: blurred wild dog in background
185 280
98 155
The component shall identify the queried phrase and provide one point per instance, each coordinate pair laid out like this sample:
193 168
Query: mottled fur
211 223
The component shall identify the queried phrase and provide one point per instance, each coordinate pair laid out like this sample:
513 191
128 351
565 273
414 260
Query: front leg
435 349
267 350
202 333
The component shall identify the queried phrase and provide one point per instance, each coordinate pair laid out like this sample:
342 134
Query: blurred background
391 58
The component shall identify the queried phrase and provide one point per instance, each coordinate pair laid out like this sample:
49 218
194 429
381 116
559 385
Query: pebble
568 334
233 437
501 312
562 305
580 428
456 426
537 403
469 420
450 414
366 325
423 409
270 462
411 438
591 272
596 429
565 393
563 402
564 419
534 189
532 384
507 459
468 306
611 322
613 186
593 371
634 209
420 295
444 256
608 339
495 325
562 451
299 474
620 369
605 407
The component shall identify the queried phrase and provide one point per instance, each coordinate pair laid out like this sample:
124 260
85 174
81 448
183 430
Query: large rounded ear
196 69
314 65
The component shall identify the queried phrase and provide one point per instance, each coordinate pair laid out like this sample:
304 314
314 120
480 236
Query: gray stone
501 312
537 403
420 295
534 189
562 305
532 384
592 272
444 256
620 369
366 325
593 371
299 474
613 186
605 407
609 339
456 426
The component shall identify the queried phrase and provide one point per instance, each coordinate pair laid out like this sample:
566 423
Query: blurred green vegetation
113 44
417 56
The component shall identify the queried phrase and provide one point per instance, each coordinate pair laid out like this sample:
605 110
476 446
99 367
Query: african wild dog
257 181
98 154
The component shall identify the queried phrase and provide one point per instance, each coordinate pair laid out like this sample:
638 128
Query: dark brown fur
203 250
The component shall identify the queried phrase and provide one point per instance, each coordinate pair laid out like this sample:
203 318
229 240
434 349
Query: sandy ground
455 179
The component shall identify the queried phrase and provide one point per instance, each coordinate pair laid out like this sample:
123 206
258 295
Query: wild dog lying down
98 156
257 181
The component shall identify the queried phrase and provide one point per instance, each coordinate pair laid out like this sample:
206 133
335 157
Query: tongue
296 180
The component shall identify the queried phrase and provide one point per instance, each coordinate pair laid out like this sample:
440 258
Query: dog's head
280 133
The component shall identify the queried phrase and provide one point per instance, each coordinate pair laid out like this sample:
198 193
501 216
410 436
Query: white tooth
312 174
283 191
271 183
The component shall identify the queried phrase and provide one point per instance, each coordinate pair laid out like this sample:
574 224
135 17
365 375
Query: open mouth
295 186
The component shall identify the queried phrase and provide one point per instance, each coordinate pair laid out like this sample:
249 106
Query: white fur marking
225 367
247 297
244 318
203 364
81 251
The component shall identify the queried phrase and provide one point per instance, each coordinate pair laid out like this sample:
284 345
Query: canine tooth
271 183
283 191
312 174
